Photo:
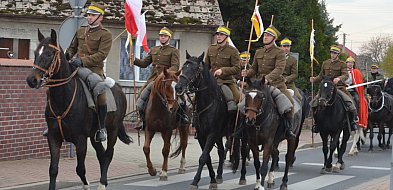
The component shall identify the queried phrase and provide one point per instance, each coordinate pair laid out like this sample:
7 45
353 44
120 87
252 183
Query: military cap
335 49
286 42
272 31
166 31
374 66
96 9
224 30
350 59
244 56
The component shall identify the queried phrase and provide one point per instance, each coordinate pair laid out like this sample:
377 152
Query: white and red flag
141 40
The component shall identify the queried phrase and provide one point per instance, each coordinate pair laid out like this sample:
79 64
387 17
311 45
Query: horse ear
40 36
53 36
187 55
200 58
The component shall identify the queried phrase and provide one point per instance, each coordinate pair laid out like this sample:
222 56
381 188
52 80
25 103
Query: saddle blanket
110 99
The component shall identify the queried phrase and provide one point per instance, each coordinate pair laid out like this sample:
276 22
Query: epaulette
104 29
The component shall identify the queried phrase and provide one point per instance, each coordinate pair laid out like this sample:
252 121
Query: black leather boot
142 121
100 135
288 127
354 119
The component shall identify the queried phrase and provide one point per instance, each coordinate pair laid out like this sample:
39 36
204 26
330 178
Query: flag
230 42
312 42
257 23
132 11
141 40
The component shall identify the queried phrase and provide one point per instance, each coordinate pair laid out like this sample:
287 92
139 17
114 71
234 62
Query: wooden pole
312 85
245 68
131 57
271 21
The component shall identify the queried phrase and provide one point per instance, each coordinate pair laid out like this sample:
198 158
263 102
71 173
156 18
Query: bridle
257 111
164 99
378 100
332 99
191 88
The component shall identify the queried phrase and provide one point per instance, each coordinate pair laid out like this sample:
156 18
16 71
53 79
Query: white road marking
312 164
370 168
319 182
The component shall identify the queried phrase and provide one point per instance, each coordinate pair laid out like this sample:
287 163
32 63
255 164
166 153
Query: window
14 48
141 74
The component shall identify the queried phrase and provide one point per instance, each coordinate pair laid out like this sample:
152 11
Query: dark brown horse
67 114
161 116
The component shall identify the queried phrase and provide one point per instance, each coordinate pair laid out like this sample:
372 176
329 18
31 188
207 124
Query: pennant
132 14
141 40
257 23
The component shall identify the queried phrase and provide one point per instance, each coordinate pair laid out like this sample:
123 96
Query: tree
293 20
387 63
376 48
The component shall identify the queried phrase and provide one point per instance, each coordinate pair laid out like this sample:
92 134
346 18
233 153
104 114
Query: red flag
132 15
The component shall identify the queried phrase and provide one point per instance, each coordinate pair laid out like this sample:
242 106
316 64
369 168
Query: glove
77 62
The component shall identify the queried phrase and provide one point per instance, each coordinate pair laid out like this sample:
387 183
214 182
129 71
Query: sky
361 20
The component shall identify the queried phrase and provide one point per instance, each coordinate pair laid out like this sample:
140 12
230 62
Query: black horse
210 114
67 114
331 118
380 113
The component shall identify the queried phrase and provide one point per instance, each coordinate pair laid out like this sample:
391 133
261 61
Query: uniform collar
95 28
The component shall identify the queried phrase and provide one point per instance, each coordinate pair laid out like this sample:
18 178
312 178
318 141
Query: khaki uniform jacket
291 71
225 58
167 56
336 69
374 76
271 63
92 46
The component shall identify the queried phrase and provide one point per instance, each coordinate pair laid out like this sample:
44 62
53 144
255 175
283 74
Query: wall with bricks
21 114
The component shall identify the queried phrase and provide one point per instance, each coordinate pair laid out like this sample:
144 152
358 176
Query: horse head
191 73
48 57
164 85
327 92
375 92
256 94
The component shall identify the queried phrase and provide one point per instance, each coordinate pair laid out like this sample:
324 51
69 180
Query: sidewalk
128 160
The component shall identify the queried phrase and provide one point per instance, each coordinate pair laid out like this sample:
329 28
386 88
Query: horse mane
212 85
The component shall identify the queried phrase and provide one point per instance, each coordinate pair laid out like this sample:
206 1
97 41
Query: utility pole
344 38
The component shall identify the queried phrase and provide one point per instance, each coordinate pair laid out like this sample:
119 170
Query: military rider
375 75
161 56
91 46
270 62
291 69
337 69
223 61
244 64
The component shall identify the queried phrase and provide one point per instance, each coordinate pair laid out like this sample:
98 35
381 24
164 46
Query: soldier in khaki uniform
163 56
89 48
337 69
223 61
244 62
270 62
375 75
291 69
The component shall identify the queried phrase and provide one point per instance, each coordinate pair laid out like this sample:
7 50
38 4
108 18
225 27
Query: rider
90 47
337 69
291 68
355 77
270 61
375 75
223 61
161 56
244 64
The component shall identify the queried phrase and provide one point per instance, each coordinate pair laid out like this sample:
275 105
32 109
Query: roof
190 12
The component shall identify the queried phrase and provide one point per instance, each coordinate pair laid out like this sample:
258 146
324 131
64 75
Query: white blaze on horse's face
41 50
325 84
173 84
253 94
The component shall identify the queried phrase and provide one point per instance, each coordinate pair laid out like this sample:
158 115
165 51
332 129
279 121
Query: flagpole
312 85
245 68
271 21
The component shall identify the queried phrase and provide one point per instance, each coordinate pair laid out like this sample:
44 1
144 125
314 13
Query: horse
263 127
67 113
209 117
161 116
331 118
380 113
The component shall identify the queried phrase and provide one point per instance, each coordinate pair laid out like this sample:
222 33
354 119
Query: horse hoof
351 154
370 150
283 187
86 187
270 185
163 178
193 187
336 169
329 170
242 182
219 180
101 187
213 186
342 167
181 171
152 172
323 171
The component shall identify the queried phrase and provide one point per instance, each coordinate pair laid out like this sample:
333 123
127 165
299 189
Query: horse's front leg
206 146
325 151
54 148
244 153
341 150
356 137
267 148
221 159
371 126
381 133
146 150
81 148
289 157
390 134
166 136
257 164
275 153
333 146
183 143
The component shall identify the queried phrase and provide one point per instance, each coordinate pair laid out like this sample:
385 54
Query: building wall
22 118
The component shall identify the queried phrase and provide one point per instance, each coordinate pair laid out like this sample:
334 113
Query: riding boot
288 127
141 120
184 119
100 135
45 133
354 119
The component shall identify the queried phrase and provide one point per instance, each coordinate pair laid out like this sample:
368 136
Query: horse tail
123 135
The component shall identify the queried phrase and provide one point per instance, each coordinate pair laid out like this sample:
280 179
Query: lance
362 84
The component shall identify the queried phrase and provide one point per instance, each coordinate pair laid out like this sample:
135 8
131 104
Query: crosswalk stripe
312 164
234 183
171 179
370 168
319 182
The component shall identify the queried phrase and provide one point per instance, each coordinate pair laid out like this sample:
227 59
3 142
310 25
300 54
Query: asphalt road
304 175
